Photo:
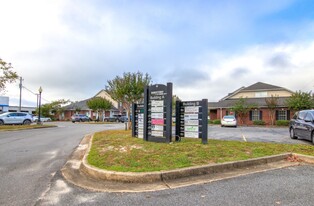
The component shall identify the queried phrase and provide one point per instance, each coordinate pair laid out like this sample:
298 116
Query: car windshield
228 117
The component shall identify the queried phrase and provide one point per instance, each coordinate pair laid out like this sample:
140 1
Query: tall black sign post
158 112
191 119
138 120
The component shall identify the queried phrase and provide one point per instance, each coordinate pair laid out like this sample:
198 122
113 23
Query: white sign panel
157 127
191 128
157 134
190 116
157 115
157 109
191 134
141 116
191 109
157 103
140 126
140 135
191 122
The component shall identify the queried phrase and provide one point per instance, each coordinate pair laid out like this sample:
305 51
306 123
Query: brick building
81 107
254 94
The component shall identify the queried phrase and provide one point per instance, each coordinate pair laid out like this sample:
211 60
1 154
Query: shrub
216 121
282 122
258 122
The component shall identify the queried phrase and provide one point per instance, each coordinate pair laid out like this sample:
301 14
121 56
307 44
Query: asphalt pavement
31 160
253 134
287 186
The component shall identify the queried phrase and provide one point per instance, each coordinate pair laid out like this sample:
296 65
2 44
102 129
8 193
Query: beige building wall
281 93
105 95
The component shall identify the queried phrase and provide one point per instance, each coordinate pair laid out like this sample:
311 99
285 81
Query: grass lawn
118 151
22 127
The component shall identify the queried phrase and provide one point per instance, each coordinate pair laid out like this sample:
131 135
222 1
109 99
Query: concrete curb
78 172
149 177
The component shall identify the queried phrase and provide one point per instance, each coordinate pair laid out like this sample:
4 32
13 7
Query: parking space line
244 137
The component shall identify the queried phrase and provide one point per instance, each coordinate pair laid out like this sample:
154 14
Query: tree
272 104
300 101
55 107
128 88
6 74
99 104
242 108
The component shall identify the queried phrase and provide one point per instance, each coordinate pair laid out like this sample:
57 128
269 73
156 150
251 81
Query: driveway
253 134
29 159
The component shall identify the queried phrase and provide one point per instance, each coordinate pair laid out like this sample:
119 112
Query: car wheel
27 122
313 137
73 121
292 134
1 122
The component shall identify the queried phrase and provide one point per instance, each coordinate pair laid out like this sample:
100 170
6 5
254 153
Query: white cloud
72 48
254 68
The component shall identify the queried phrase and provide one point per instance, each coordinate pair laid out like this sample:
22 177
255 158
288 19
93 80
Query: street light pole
39 104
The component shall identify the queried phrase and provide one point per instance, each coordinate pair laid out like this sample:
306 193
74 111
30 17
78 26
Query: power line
35 93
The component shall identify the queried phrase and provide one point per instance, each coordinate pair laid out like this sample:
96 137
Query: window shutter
277 115
260 115
251 116
288 114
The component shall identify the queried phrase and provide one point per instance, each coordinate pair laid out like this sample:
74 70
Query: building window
260 94
255 115
282 115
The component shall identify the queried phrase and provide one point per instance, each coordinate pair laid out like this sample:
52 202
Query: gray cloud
187 77
239 72
280 60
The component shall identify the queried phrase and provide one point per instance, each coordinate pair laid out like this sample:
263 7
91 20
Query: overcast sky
206 48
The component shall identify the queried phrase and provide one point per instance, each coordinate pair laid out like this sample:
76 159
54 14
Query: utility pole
21 80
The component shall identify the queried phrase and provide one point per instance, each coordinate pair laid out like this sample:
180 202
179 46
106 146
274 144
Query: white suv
16 118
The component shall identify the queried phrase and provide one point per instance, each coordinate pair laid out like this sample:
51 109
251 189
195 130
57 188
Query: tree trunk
129 119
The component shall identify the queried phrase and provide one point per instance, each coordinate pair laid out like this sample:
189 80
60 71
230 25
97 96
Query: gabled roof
262 86
259 86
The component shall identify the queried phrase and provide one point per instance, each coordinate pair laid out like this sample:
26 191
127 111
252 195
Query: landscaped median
23 127
118 151
113 161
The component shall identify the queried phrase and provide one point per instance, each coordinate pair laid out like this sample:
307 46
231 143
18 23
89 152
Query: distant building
254 94
5 107
81 107
4 104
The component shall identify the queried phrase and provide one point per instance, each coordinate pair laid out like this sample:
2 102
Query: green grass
118 151
23 127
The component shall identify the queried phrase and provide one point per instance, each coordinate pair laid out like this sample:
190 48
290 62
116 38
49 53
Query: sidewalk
80 173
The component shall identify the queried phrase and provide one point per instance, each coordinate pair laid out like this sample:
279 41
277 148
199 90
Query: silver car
15 118
229 121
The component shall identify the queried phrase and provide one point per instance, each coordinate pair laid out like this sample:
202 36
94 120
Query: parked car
15 118
123 119
302 125
111 119
229 120
42 119
80 118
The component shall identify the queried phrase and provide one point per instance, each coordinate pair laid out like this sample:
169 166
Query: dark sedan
302 125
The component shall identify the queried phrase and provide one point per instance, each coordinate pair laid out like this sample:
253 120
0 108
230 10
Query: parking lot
253 134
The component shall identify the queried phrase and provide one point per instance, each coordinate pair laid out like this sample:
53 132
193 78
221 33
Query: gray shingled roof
82 105
261 86
260 102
